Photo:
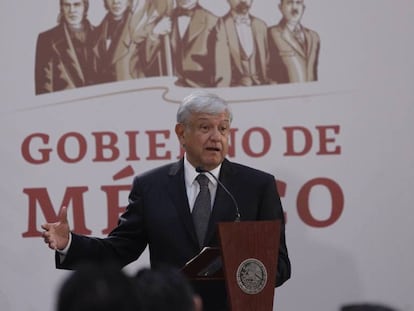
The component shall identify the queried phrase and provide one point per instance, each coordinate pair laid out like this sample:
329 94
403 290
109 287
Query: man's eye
204 128
224 129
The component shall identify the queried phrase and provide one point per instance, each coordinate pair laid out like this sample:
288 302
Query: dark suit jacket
58 67
158 215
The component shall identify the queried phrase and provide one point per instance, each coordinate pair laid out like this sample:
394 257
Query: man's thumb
63 214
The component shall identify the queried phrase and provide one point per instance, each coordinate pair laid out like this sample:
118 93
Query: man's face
292 10
187 4
205 138
73 11
240 6
117 7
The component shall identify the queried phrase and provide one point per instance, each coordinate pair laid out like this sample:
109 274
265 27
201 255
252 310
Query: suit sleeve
43 65
122 246
272 209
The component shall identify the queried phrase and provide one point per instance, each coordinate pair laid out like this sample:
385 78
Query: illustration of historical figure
190 45
293 48
244 58
120 40
64 60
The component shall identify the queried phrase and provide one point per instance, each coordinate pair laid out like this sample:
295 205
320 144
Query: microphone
199 169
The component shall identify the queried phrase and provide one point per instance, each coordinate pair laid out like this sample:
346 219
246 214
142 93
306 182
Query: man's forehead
202 116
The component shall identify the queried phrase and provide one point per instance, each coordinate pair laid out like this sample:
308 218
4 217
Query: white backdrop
363 99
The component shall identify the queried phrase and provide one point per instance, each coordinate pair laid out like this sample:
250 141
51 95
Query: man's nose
215 134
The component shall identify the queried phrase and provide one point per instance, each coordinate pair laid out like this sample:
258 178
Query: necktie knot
202 180
298 33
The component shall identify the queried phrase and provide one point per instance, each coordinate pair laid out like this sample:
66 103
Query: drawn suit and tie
192 46
63 56
123 47
294 49
242 46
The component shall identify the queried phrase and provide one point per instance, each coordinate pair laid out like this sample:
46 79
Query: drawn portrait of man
192 41
124 44
112 44
293 48
190 45
244 57
64 60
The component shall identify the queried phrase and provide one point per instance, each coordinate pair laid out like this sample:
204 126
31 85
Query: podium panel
250 253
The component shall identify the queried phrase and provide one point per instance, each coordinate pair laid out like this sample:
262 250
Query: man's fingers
63 214
46 227
52 245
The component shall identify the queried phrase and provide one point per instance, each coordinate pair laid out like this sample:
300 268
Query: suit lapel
178 194
99 48
124 43
196 26
223 207
289 38
69 59
309 41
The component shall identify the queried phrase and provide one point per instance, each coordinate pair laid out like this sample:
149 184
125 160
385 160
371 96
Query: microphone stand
199 169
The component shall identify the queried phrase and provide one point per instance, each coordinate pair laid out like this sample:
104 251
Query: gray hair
202 102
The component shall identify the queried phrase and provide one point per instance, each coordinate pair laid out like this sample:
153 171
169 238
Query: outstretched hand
56 234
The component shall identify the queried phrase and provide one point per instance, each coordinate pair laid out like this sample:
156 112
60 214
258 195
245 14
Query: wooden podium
247 260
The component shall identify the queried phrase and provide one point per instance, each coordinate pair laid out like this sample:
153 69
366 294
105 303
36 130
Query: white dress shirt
244 32
193 188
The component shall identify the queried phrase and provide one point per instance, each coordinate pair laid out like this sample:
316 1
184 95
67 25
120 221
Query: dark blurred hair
97 288
163 289
366 307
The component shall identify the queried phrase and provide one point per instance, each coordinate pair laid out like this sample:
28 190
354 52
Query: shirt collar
241 19
190 173
293 27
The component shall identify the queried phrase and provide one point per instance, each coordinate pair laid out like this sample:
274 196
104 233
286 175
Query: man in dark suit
244 56
293 48
162 203
63 57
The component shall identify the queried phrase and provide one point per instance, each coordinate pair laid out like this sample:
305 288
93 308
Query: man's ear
179 131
